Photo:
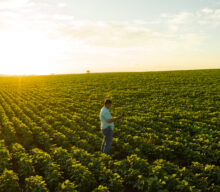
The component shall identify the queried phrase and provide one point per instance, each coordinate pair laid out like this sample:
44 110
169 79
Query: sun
26 52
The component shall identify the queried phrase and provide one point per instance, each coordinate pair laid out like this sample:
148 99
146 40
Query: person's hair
107 101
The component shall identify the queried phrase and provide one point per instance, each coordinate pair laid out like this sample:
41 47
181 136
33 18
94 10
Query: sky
72 36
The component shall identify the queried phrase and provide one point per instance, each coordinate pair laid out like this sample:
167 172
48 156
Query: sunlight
26 52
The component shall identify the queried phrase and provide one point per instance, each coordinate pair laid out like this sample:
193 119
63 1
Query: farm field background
169 139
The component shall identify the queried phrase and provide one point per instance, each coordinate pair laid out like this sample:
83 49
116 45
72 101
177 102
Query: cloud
203 16
113 34
167 29
11 4
207 10
113 41
130 35
179 19
61 4
210 17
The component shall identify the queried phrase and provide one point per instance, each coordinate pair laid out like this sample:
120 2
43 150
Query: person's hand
120 116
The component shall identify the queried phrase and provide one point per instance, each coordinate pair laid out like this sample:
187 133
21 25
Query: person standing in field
107 126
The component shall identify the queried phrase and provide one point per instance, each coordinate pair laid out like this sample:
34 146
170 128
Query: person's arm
114 119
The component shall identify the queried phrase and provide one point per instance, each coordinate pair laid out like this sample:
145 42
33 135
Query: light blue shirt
104 116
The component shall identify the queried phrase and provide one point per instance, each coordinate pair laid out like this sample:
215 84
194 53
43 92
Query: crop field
168 140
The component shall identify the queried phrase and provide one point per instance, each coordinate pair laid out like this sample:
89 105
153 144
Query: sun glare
26 52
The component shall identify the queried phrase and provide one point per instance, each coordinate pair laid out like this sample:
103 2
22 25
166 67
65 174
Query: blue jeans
107 140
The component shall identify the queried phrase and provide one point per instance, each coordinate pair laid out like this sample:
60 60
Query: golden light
26 52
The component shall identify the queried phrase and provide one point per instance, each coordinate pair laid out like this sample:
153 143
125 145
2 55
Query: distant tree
88 71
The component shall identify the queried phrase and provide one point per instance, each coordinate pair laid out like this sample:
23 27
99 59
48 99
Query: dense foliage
169 139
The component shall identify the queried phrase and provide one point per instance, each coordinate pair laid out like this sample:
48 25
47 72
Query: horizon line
53 74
